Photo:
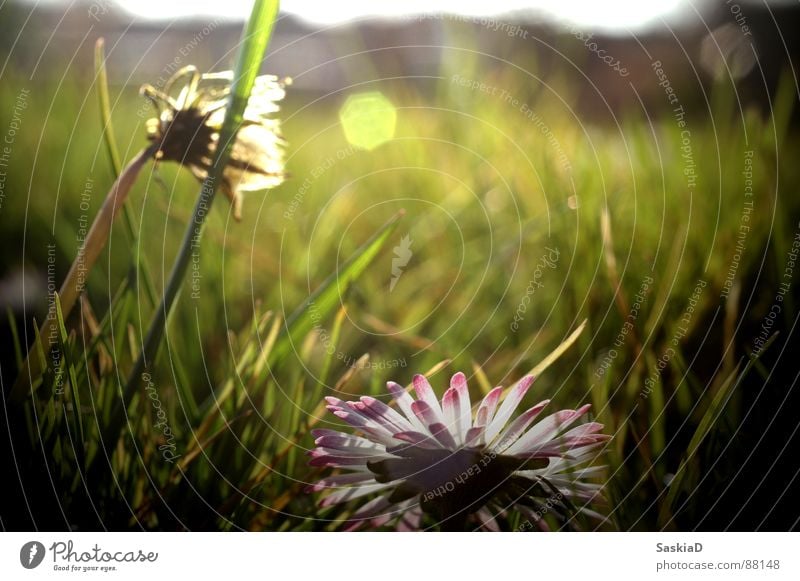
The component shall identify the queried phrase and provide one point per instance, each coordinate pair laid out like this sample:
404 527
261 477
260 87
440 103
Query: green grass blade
12 325
326 298
334 345
104 103
254 43
656 413
105 106
711 416
706 423
40 356
73 381
557 352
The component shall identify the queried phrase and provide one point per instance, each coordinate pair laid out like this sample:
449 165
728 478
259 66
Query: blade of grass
683 391
557 352
711 416
327 297
706 423
480 375
655 411
244 361
32 426
12 325
336 332
73 382
104 103
268 344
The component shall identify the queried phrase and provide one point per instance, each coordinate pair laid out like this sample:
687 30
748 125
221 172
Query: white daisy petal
426 415
459 383
475 437
378 407
404 401
545 430
488 406
516 428
341 441
410 520
380 434
351 493
355 457
451 409
425 393
487 521
510 403
340 480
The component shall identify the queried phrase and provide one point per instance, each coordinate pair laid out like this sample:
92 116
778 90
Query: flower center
450 483
186 139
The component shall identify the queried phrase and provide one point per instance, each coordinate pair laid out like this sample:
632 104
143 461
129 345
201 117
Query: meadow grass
498 226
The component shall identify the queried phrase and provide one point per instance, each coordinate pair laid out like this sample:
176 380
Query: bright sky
600 14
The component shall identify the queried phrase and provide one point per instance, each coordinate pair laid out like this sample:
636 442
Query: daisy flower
456 464
187 129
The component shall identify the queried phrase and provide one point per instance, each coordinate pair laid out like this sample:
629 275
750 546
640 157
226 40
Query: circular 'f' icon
31 554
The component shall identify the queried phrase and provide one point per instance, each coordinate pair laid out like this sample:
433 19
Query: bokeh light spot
368 119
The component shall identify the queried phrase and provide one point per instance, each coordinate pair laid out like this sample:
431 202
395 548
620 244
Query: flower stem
255 38
158 324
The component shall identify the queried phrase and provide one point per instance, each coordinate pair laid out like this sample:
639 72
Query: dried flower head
188 125
458 465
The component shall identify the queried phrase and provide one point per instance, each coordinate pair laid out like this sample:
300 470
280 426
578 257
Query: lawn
476 233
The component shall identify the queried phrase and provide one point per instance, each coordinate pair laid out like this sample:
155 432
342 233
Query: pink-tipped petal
516 428
334 401
488 406
542 432
459 383
374 507
425 415
584 429
404 401
425 393
510 403
572 446
346 441
320 432
410 520
352 493
377 505
353 452
546 430
387 415
451 410
376 432
474 437
338 461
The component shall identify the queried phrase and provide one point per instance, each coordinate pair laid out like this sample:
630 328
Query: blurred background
627 163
